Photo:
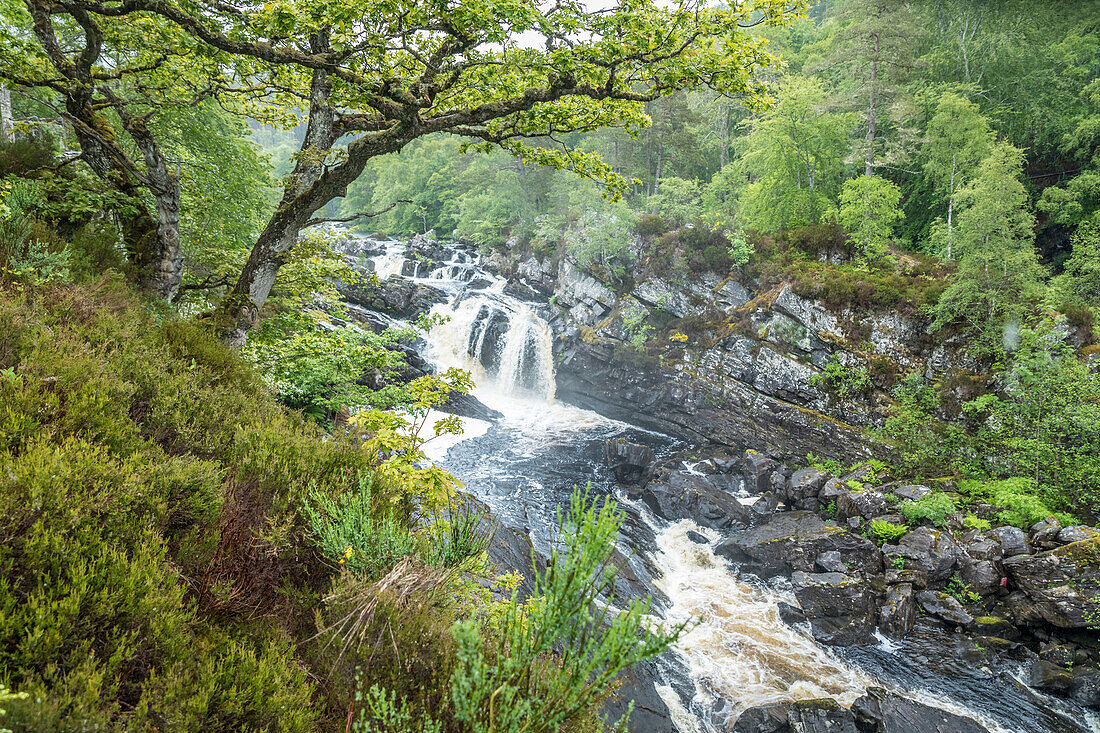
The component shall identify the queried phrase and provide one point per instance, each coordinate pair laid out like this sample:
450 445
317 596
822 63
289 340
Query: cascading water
738 653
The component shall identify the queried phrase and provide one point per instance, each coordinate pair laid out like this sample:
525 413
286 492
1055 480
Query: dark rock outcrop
676 495
840 607
804 716
395 296
792 541
632 463
1062 584
880 711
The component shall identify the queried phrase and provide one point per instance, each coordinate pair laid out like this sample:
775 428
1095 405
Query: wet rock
466 405
632 463
945 607
898 611
863 504
1044 534
995 626
757 469
881 711
804 716
916 577
762 508
727 464
839 606
833 489
1076 534
1012 541
1060 583
1056 653
792 541
396 296
679 495
650 711
805 483
980 575
981 548
930 550
697 538
1085 687
1049 677
831 562
791 615
912 492
522 291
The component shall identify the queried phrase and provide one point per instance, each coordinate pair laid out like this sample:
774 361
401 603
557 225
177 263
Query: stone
1012 541
697 538
945 607
1061 584
762 508
981 575
912 492
882 711
831 562
757 469
1045 533
805 483
727 464
1085 687
639 685
791 541
864 504
898 611
832 490
632 463
839 606
679 495
995 626
930 550
791 615
803 716
1056 653
1049 677
917 577
1076 534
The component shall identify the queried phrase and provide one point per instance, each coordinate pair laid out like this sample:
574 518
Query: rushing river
738 652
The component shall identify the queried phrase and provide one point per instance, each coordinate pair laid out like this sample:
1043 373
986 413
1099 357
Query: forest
217 509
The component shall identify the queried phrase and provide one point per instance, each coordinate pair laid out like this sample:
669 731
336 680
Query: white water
738 651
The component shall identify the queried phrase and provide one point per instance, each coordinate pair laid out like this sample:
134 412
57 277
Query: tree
871 55
381 76
1079 283
868 212
958 138
794 158
999 277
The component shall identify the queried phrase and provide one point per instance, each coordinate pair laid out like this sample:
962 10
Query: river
738 652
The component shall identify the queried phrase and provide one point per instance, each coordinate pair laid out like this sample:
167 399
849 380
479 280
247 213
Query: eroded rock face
1063 584
804 716
675 495
632 463
792 541
840 607
396 296
929 550
880 711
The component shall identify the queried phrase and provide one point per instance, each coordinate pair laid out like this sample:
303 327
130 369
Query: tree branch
353 217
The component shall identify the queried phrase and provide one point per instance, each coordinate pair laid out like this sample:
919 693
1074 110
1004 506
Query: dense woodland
194 535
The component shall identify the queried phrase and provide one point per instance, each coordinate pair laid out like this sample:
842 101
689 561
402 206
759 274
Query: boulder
1045 533
832 490
680 495
881 711
1012 541
944 607
898 611
927 549
396 296
995 626
1061 583
1049 677
981 575
697 538
863 504
791 541
803 716
831 562
791 615
805 483
1085 688
762 508
912 492
1076 534
632 463
757 469
839 606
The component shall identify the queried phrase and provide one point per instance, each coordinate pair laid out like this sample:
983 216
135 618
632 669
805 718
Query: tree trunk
5 114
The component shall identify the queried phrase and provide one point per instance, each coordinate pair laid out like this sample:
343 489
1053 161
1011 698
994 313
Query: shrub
650 225
845 382
933 508
1019 503
887 531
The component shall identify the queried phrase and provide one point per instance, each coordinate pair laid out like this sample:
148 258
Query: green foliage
650 225
934 508
794 158
972 521
739 250
845 382
961 591
601 240
29 254
886 531
868 212
556 655
677 201
1018 501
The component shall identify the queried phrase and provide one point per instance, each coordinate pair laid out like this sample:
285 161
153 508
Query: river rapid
737 652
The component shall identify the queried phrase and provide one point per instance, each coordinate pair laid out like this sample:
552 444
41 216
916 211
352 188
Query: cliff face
724 360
